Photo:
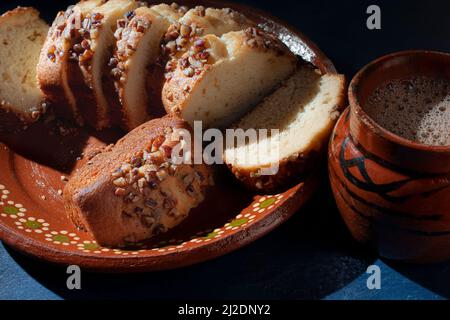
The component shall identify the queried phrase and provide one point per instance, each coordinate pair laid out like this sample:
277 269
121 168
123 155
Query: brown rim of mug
369 122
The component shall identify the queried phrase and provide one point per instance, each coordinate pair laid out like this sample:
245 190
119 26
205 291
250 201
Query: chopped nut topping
97 16
185 30
161 174
136 161
121 23
152 183
190 190
120 192
85 44
142 181
200 10
51 53
148 221
120 182
189 72
257 38
150 203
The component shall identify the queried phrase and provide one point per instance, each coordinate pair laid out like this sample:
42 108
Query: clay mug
393 194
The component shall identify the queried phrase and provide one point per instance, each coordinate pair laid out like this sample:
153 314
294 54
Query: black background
312 255
338 27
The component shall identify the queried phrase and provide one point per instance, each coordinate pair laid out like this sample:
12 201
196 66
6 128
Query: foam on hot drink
417 109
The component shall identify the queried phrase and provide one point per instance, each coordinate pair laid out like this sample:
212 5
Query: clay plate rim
295 198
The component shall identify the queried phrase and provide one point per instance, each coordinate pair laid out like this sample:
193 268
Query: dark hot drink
417 109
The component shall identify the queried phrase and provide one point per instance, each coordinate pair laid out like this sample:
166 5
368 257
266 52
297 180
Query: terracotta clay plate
35 162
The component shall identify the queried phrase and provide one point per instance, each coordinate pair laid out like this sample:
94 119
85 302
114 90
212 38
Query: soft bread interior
22 35
235 83
304 110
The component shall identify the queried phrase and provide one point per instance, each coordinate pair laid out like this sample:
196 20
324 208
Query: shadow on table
309 257
434 277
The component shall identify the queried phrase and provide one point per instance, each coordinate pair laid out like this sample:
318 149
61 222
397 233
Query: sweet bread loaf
220 78
304 110
138 46
135 190
22 34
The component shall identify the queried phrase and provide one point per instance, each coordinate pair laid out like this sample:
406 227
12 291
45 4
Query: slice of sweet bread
304 110
52 69
91 52
138 46
220 78
22 34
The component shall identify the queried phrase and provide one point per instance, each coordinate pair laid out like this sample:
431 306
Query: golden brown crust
290 170
17 11
293 168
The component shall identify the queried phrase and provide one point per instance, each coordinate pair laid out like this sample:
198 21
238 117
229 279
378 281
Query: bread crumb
43 197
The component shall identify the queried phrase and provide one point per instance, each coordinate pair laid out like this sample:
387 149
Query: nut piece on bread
135 190
201 21
22 34
304 110
91 51
53 69
219 79
138 45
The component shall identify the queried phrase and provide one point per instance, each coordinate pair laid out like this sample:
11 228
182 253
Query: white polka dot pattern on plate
39 226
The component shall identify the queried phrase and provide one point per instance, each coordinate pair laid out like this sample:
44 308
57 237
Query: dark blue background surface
312 256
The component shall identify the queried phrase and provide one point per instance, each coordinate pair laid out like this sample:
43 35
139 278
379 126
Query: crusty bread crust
296 166
290 170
